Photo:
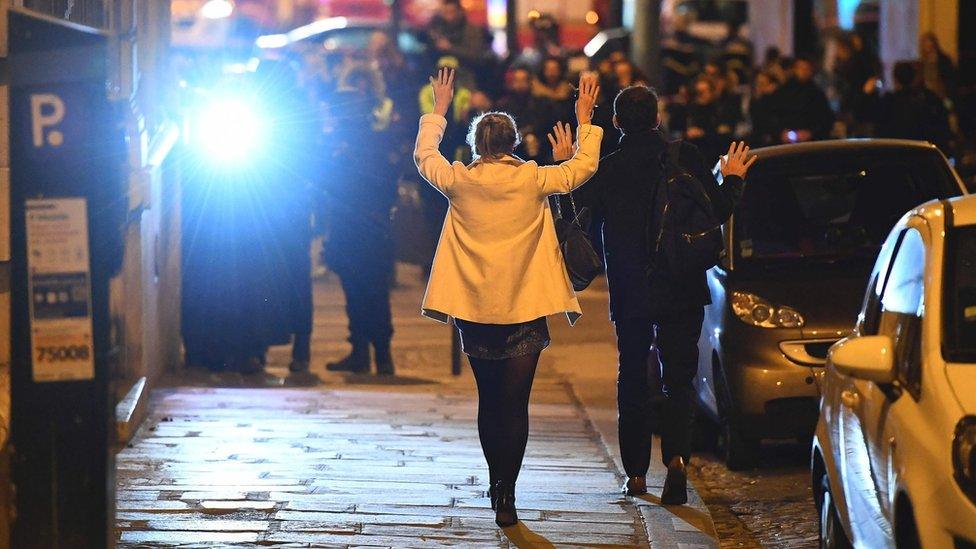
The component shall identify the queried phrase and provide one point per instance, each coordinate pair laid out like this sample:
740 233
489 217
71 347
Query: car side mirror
866 357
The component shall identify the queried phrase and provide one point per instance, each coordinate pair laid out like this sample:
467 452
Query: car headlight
756 311
964 455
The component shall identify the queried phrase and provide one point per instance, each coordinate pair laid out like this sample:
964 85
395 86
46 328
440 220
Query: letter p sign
47 110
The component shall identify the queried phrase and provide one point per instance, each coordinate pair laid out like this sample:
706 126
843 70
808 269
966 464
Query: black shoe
491 496
251 365
384 360
357 361
298 366
676 484
504 496
635 486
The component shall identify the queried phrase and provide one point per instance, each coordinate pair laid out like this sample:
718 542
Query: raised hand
443 85
737 161
589 90
561 139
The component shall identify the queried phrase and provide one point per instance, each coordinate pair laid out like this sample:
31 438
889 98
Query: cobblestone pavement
770 506
328 460
358 466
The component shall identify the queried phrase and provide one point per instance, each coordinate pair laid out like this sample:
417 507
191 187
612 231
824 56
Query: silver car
800 246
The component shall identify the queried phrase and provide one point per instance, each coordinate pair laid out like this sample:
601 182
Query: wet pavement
332 460
770 506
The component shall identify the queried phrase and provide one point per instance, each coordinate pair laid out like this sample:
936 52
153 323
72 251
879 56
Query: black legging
504 387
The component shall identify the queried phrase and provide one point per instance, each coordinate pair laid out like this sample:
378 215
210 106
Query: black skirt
502 341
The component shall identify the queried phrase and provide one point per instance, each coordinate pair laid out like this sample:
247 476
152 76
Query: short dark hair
493 135
803 58
904 73
636 109
563 66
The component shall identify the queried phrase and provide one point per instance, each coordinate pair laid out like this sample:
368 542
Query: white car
894 456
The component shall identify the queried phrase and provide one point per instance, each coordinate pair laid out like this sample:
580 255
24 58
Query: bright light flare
230 131
217 9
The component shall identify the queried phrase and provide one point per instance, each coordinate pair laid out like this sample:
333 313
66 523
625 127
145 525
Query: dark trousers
368 308
301 347
677 344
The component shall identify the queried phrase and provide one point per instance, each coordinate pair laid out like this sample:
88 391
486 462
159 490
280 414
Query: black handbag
583 263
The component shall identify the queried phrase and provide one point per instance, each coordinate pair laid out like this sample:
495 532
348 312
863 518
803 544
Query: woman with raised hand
498 271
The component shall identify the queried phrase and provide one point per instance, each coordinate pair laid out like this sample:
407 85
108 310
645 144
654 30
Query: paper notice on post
59 282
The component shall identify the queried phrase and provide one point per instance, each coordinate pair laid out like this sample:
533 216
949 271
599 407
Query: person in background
737 52
433 204
938 71
603 117
621 197
911 111
449 33
804 113
498 271
545 43
286 213
763 109
361 195
703 120
773 62
527 111
453 142
728 103
399 79
627 74
551 83
679 67
851 73
246 269
675 122
553 92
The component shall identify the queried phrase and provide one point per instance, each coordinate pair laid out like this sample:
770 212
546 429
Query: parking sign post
67 211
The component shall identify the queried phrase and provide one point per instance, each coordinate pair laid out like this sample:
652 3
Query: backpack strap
672 164
657 211
676 170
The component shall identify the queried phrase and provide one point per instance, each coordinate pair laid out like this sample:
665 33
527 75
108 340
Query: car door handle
850 398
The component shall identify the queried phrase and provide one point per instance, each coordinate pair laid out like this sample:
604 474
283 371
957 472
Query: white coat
498 260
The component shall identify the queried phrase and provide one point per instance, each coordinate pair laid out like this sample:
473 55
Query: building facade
144 296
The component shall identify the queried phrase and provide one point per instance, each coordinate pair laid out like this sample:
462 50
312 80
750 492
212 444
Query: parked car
341 35
894 456
799 248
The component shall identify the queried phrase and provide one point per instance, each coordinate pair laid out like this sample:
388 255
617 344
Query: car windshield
834 205
959 339
353 38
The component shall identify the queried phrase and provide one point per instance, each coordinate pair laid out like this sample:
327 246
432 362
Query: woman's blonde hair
493 135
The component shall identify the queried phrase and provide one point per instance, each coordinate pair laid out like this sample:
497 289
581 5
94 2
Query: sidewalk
361 461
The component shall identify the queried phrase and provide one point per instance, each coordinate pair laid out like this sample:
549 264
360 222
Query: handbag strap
572 203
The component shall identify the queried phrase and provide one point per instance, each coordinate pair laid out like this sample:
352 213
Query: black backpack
683 247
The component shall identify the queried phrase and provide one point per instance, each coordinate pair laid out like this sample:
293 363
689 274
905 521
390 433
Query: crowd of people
367 101
711 94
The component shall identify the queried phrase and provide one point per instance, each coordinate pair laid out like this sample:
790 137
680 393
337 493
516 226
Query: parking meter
67 208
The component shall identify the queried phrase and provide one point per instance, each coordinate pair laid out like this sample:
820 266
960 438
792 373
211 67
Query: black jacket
804 106
620 196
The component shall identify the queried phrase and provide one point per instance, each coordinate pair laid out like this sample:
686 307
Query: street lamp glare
217 9
230 131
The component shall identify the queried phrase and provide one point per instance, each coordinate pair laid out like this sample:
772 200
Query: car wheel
832 534
738 450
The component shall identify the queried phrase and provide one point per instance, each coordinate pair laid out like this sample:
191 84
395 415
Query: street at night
235 460
488 273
